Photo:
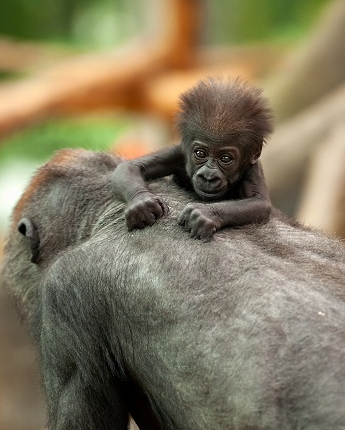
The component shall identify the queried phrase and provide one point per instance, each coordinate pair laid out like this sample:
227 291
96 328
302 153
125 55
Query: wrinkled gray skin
244 332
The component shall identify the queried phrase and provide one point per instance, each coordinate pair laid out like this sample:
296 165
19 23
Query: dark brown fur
223 125
225 110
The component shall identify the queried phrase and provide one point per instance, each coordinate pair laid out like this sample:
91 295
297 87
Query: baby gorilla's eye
226 159
199 153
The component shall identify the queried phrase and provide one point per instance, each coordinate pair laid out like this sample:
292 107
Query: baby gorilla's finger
182 219
152 205
164 206
194 231
206 232
184 223
150 218
133 223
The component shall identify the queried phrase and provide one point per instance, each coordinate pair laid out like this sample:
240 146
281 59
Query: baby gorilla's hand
200 220
144 209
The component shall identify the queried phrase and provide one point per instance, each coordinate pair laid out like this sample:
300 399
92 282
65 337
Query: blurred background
106 75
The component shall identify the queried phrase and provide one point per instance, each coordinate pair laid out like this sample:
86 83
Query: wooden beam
323 197
102 80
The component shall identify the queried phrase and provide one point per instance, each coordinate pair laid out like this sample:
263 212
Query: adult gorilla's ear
28 229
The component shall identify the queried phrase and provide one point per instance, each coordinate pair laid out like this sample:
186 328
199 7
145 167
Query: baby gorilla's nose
208 179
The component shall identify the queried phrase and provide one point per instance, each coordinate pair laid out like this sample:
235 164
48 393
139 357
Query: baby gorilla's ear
254 157
28 229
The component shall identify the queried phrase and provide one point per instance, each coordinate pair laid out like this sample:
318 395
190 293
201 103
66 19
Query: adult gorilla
246 331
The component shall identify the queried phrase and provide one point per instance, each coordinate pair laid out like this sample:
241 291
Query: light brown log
19 56
315 69
286 155
98 81
323 197
250 62
162 94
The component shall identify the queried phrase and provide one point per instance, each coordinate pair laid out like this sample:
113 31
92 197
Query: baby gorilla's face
214 167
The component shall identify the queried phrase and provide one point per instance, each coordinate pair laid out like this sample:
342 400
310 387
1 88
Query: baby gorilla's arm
128 181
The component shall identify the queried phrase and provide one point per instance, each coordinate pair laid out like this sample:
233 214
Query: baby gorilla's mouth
209 189
210 195
209 184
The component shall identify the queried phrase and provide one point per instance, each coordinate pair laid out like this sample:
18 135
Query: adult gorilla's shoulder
244 331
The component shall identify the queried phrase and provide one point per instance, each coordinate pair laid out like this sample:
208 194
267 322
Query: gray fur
244 332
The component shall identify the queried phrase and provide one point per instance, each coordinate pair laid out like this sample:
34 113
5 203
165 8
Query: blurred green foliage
238 21
78 21
81 22
39 142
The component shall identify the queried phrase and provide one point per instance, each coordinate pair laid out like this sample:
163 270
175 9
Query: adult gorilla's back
246 331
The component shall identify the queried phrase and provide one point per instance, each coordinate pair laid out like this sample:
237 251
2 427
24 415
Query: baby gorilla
223 125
